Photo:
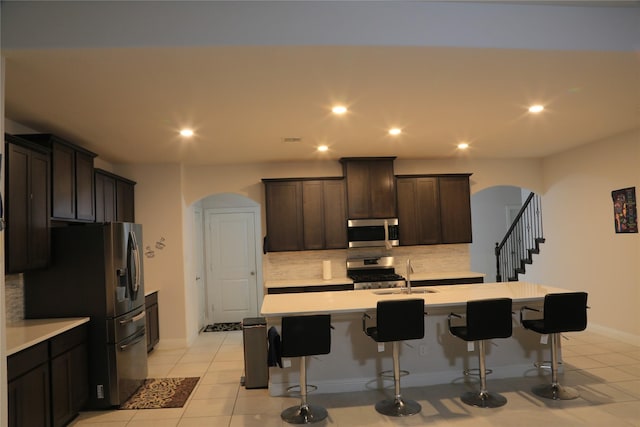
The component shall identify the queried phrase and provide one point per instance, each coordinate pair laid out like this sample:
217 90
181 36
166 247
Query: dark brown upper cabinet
324 214
434 209
114 197
27 205
305 214
283 199
72 180
371 191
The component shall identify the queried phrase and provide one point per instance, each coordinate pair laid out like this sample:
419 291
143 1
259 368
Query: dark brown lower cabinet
29 398
48 382
153 321
69 375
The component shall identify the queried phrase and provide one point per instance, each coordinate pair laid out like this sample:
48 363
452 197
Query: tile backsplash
308 264
14 297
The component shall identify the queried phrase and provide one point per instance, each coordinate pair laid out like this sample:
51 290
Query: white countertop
334 302
443 275
288 283
306 282
26 333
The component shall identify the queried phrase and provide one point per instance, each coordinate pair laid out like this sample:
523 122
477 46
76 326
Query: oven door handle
135 318
135 340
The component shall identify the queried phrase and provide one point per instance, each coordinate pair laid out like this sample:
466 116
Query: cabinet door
85 197
313 214
428 220
455 209
418 211
27 209
17 203
79 378
61 398
153 326
358 189
284 215
39 239
64 182
124 202
105 198
407 211
371 189
382 189
335 214
29 399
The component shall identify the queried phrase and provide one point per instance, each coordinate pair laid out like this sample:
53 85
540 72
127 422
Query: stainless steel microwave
373 232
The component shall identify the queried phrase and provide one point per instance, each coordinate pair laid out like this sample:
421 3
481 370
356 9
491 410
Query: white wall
582 251
159 208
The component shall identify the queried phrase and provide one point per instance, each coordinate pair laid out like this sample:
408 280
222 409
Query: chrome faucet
408 278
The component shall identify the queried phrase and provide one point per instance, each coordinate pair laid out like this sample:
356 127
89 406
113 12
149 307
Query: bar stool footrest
398 407
310 388
389 374
475 372
304 414
484 399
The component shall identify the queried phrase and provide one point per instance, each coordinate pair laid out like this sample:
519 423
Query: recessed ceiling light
186 132
322 148
536 108
395 131
339 109
463 145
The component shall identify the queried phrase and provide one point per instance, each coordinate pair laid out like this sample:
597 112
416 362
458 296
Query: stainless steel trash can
254 337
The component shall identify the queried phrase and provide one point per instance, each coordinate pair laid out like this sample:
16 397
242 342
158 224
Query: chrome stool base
484 399
304 414
398 407
555 392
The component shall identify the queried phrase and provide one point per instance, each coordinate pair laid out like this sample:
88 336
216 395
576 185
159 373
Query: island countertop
445 296
418 276
26 333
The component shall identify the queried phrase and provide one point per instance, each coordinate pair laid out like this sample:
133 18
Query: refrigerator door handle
135 318
136 340
133 247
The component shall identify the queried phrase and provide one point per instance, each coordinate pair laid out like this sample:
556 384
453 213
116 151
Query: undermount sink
403 291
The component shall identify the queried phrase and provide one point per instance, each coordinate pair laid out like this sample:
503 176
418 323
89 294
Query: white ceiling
127 102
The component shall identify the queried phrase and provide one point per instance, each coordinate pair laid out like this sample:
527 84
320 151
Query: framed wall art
625 214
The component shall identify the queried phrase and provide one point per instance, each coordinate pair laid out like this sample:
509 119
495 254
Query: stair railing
521 240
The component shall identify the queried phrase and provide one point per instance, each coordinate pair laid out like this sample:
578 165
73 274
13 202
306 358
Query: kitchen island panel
439 358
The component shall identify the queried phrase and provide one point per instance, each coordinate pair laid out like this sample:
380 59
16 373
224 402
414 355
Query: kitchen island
438 358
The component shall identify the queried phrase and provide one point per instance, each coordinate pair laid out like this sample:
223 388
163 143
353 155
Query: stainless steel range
373 273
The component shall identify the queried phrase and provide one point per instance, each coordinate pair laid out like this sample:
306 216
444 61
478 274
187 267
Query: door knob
253 273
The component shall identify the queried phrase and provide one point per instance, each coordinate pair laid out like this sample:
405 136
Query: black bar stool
397 320
562 312
305 336
486 319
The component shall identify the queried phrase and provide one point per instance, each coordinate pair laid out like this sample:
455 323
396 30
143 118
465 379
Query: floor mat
156 393
220 327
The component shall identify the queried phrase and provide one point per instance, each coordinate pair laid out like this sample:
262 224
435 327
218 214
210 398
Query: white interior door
199 278
231 266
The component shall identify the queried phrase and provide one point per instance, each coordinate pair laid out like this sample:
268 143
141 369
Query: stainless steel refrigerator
96 271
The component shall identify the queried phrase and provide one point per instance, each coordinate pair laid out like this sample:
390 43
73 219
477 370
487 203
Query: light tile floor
604 370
